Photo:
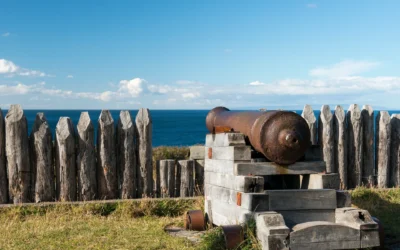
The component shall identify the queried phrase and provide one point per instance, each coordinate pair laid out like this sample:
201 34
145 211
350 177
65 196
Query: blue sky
199 54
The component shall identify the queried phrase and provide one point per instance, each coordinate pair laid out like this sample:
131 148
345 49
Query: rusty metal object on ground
381 233
194 220
233 235
281 136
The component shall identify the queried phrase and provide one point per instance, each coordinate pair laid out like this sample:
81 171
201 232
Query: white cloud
7 67
19 89
256 83
190 95
344 68
134 87
311 5
186 82
159 89
70 76
6 34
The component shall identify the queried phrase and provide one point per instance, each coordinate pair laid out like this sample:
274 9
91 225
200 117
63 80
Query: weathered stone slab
340 145
253 202
355 218
3 166
301 199
271 168
322 181
86 159
394 171
41 144
225 140
326 138
107 180
294 217
65 160
235 153
227 214
368 166
249 184
355 146
324 235
272 231
369 238
382 148
197 152
144 126
187 168
308 115
343 198
222 194
126 156
221 166
199 177
221 180
17 152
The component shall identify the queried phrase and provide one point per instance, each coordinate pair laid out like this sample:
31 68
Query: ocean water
170 127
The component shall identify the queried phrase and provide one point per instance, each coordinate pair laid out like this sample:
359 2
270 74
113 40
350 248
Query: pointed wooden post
325 138
308 115
3 166
107 182
383 143
167 178
17 152
126 155
144 139
86 159
187 167
41 144
65 160
368 169
394 173
340 144
355 146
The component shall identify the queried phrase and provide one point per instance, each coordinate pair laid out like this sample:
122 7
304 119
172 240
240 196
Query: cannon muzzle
281 136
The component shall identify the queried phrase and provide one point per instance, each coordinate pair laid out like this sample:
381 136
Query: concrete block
370 238
301 199
324 235
295 217
220 166
225 140
271 168
226 214
197 152
356 218
253 201
343 198
272 231
249 184
322 181
221 180
233 153
221 194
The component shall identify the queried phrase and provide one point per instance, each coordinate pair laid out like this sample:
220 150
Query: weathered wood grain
382 148
355 146
271 168
177 180
17 152
340 144
3 165
199 177
86 159
107 180
167 178
308 115
326 138
144 138
41 149
126 155
65 160
187 167
394 173
368 169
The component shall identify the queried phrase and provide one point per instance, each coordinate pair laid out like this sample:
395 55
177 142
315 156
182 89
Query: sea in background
170 127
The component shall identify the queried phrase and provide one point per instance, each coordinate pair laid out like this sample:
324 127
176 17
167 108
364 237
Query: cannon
281 136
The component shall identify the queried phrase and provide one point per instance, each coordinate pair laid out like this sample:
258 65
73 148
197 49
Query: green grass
140 224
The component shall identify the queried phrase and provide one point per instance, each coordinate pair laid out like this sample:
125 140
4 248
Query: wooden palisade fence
347 144
72 166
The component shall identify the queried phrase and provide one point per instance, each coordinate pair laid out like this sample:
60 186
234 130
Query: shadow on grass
383 204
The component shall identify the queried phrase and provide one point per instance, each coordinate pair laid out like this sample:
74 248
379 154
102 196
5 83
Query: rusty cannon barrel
281 136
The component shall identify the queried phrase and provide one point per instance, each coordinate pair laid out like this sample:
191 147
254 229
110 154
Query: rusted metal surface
381 233
239 199
209 153
194 220
233 235
281 136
